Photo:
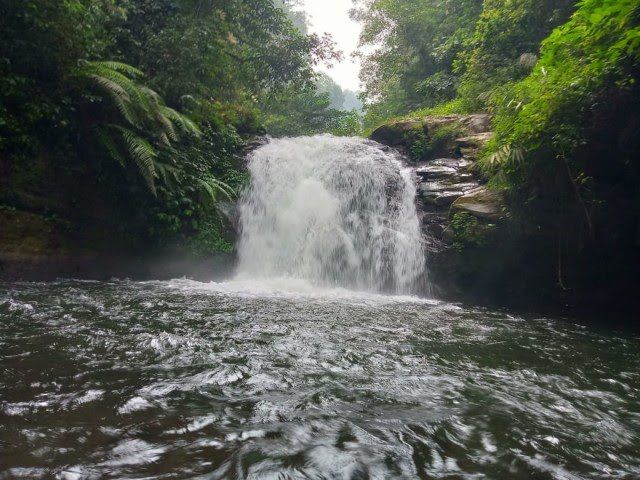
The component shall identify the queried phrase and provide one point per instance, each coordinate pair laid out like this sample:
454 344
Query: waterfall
336 212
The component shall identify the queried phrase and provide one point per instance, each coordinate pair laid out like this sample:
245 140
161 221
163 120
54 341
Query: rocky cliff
472 247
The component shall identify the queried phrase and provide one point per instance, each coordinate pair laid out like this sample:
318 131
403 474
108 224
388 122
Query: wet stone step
443 167
441 199
444 185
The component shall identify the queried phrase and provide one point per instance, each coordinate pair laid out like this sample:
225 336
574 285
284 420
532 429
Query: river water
242 380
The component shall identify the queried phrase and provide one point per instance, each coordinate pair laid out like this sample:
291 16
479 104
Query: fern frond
135 92
110 146
169 174
169 129
118 67
164 139
127 96
143 154
184 122
212 187
119 96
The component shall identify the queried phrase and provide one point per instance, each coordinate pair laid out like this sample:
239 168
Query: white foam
291 289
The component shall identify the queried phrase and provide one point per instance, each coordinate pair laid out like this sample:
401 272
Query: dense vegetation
566 152
126 117
448 54
561 79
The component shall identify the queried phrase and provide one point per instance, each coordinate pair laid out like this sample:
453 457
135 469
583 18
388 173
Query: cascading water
337 212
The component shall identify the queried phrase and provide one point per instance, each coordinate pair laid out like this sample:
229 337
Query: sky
332 16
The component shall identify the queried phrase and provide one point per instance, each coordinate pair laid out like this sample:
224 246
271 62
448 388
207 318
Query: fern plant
147 124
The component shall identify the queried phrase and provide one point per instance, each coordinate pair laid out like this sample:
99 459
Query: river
236 380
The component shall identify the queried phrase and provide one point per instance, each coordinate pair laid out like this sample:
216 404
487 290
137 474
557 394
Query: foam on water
291 289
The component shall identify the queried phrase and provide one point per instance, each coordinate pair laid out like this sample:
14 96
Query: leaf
184 122
143 154
110 146
212 186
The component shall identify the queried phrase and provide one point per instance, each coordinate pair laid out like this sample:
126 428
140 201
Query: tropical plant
150 124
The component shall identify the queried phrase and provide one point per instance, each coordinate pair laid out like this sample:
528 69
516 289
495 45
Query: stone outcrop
481 203
395 134
448 185
474 130
446 172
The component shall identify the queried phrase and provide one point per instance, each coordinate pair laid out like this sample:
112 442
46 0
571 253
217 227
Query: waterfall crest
337 212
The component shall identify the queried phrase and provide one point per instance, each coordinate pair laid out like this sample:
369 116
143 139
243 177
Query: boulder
478 123
433 130
394 134
481 203
477 140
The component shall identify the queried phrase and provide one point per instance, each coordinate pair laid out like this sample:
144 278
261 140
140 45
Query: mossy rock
433 136
396 134
467 231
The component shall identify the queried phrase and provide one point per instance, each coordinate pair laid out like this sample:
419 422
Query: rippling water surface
187 380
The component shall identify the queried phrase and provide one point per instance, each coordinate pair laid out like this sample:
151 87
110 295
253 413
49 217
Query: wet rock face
480 203
394 134
446 181
447 186
442 182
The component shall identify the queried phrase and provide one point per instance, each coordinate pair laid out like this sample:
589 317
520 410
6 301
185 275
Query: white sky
332 16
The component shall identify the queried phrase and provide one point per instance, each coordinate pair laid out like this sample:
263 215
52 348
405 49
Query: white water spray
338 212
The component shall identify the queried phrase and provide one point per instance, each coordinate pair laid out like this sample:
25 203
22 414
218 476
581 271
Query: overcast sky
332 16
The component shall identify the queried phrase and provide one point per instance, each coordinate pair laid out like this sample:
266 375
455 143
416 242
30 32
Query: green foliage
563 152
349 124
468 231
424 145
452 53
150 123
544 114
507 36
128 115
455 106
294 112
415 46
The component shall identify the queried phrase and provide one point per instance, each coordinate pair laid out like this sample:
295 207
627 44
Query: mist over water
336 212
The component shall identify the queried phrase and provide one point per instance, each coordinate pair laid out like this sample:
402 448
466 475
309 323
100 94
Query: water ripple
186 380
